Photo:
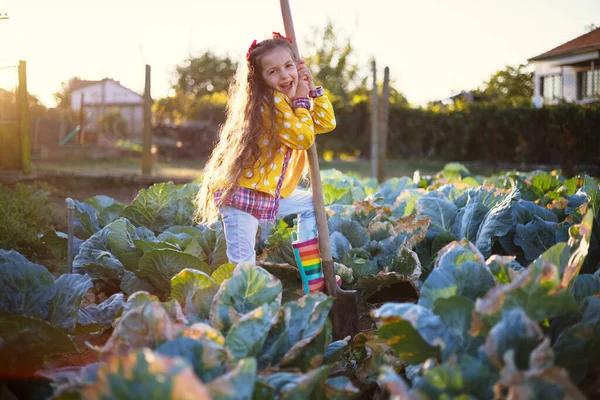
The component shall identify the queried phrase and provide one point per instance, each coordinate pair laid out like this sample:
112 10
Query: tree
511 86
330 60
112 122
63 97
8 105
204 75
200 90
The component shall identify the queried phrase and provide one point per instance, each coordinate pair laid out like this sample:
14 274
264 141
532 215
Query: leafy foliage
491 289
24 213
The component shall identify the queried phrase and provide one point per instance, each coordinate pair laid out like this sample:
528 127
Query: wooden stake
81 119
344 313
375 124
147 133
24 118
384 117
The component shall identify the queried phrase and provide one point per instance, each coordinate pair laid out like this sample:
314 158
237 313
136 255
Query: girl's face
279 71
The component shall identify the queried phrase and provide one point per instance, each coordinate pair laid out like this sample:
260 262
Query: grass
191 168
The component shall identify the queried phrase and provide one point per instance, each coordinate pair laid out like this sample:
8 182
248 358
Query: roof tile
587 42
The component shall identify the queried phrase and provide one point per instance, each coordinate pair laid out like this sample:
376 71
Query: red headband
280 36
252 47
255 43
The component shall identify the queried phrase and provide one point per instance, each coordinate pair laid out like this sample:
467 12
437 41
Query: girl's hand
303 88
305 73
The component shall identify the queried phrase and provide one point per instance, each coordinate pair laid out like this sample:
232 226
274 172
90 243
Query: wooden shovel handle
315 174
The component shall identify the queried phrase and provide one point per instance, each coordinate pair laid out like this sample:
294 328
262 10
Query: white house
100 97
569 72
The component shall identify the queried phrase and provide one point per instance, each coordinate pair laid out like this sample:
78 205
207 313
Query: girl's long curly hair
240 135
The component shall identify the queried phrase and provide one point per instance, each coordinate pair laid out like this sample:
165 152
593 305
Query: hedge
562 134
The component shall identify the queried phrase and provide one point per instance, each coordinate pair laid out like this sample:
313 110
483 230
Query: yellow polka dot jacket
297 128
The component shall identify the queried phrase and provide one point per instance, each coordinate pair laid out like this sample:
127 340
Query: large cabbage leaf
214 244
96 258
468 221
207 358
291 385
279 246
25 288
235 384
464 378
131 283
186 284
121 242
195 290
504 268
70 289
99 317
538 290
406 202
459 271
339 245
295 338
404 266
159 266
25 342
440 211
456 313
180 236
107 209
247 336
414 332
390 189
145 325
162 205
57 241
352 230
496 223
575 346
541 380
586 285
248 288
515 332
86 221
144 374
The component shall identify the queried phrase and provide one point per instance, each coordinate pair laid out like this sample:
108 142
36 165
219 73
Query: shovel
344 313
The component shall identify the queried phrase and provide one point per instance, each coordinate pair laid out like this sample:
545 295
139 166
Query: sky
434 48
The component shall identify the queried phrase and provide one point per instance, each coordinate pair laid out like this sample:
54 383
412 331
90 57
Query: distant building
569 72
463 96
100 97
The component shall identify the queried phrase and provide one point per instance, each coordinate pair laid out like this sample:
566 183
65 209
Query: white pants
241 227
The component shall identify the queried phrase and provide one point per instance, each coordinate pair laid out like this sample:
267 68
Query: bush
25 213
564 134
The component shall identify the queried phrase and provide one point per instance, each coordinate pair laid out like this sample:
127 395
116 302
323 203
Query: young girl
255 168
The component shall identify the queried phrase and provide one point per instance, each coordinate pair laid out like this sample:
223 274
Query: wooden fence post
147 133
81 120
23 102
384 117
374 124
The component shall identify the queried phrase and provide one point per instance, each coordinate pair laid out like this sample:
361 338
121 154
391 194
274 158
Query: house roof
77 84
584 43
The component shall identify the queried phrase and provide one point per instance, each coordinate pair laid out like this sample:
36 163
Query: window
589 83
552 87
